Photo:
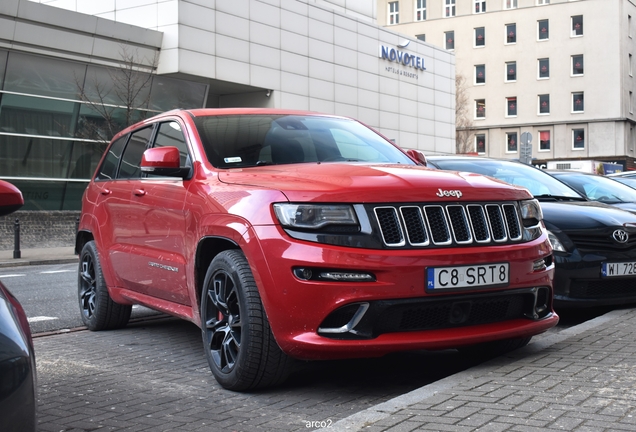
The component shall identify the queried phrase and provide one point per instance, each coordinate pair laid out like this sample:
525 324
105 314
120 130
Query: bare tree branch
119 101
464 127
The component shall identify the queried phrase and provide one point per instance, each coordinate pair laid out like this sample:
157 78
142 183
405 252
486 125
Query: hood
366 183
576 215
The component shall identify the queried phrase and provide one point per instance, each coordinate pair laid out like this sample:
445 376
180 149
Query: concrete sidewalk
37 256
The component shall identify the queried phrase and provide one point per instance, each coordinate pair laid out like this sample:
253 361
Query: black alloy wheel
239 345
98 310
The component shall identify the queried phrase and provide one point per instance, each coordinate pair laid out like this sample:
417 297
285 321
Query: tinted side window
133 152
170 135
108 170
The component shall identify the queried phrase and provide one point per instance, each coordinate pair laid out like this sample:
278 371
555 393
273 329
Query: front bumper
578 282
298 309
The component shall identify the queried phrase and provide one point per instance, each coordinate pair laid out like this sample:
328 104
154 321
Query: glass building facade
57 116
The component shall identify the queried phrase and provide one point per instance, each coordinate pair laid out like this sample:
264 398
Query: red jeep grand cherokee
287 234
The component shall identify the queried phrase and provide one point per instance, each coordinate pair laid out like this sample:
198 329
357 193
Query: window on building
420 10
511 142
577 64
511 71
510 4
631 102
449 8
629 25
544 68
631 67
421 37
480 36
480 143
511 106
480 108
511 33
577 25
449 38
544 104
578 104
543 29
480 74
480 6
394 13
544 140
578 139
543 2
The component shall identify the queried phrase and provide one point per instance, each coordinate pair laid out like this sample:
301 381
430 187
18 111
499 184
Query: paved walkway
581 379
56 255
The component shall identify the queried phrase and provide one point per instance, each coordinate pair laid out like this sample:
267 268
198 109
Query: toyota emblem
620 236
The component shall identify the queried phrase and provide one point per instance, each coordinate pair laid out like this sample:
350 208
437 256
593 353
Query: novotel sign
401 57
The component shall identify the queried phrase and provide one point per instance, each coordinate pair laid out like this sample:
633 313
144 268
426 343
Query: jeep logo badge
449 193
620 236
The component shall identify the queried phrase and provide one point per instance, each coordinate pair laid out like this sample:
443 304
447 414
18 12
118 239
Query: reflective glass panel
36 116
117 86
43 76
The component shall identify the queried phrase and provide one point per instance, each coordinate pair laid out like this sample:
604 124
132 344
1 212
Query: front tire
238 342
98 310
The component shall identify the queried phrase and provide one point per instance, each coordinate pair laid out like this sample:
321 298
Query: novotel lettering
401 57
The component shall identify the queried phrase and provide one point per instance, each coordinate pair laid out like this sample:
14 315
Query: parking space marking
11 275
57 271
40 318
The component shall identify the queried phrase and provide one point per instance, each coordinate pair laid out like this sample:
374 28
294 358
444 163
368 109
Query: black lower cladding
434 313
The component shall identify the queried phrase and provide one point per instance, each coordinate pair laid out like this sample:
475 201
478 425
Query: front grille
446 225
601 289
600 242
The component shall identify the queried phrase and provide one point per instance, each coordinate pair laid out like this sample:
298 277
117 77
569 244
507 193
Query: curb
23 262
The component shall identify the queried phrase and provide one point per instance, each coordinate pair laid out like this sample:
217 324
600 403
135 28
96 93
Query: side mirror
10 198
164 161
417 156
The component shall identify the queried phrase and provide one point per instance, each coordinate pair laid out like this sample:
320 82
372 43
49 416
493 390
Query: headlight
531 216
314 216
531 212
556 243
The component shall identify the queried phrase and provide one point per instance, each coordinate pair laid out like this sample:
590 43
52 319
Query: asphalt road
48 294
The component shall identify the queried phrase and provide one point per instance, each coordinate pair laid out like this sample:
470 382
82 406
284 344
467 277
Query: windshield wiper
263 163
550 197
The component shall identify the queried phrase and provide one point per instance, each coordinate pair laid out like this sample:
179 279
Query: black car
17 358
599 188
594 243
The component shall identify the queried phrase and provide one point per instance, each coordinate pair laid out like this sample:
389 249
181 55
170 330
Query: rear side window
132 154
108 170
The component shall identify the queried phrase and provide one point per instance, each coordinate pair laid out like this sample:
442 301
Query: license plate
618 269
482 275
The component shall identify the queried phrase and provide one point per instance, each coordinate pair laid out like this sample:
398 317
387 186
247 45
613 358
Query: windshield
598 188
240 141
539 184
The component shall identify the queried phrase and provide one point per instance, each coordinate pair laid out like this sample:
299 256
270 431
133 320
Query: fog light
346 276
539 265
306 273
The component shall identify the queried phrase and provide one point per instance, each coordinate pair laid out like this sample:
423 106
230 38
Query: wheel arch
82 237
207 248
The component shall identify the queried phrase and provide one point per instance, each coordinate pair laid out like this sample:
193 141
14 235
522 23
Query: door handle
140 192
105 192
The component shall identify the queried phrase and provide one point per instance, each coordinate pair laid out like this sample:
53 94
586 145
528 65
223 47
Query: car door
124 220
155 235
